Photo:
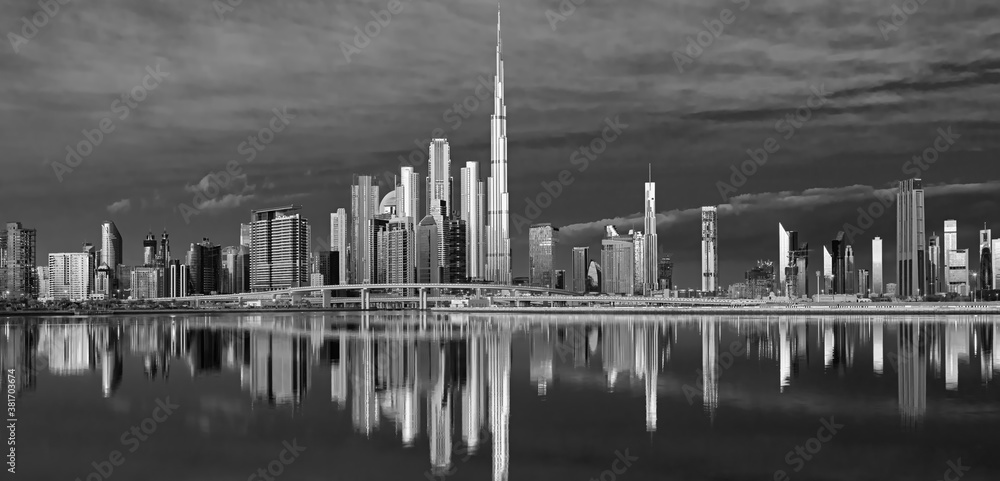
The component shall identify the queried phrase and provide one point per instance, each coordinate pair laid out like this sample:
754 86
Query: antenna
650 172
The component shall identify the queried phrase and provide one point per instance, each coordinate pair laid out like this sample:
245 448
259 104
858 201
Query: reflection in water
392 370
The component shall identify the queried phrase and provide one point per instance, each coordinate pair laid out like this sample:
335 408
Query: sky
183 84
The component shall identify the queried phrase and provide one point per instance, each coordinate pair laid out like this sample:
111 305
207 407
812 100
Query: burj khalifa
498 214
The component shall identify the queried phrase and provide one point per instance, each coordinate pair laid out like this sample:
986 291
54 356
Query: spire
499 49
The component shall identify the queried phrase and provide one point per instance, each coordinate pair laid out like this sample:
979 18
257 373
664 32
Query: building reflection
448 378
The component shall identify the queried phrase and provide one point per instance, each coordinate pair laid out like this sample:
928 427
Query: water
346 396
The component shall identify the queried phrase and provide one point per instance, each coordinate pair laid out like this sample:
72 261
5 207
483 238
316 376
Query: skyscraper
235 269
985 259
996 266
279 249
784 259
850 274
837 246
827 285
409 195
652 241
542 241
111 245
958 271
498 217
245 234
934 271
618 261
204 260
666 271
455 256
950 245
149 250
163 255
19 263
709 249
397 242
471 211
581 256
911 238
338 243
639 260
877 282
364 208
428 261
69 278
595 277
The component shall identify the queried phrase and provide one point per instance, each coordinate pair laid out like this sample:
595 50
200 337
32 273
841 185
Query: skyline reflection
448 379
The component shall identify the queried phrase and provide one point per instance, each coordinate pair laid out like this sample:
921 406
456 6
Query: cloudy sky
887 92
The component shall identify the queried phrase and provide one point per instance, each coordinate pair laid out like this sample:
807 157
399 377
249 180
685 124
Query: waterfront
418 395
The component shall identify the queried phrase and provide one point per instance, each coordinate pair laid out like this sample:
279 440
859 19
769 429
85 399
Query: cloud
120 207
238 193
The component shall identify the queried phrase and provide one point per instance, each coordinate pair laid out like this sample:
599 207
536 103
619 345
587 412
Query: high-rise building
18 265
149 250
246 234
329 268
827 286
177 283
93 262
595 278
709 249
784 257
389 204
760 280
471 211
850 274
338 243
958 271
163 254
911 238
837 248
985 259
111 251
877 282
235 269
439 203
561 279
428 265
951 245
864 283
44 284
542 241
651 249
666 271
364 208
204 260
618 261
398 242
498 214
69 276
145 282
581 258
455 255
279 249
934 270
639 259
409 195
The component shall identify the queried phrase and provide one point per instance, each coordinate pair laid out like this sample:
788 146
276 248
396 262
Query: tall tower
709 249
498 222
149 250
783 256
364 208
649 223
472 213
911 239
439 189
877 284
339 243
409 196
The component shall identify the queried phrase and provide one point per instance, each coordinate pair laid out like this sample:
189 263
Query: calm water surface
400 396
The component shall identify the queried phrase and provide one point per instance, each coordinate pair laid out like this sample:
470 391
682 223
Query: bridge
422 296
364 297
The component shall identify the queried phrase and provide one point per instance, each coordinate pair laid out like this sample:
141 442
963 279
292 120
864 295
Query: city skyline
151 203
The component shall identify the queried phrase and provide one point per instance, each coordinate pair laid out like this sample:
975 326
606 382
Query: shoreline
830 309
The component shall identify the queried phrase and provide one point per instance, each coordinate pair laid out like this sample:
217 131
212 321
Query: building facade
878 286
339 243
428 266
18 263
911 238
364 208
578 271
618 263
279 249
498 253
472 212
542 241
68 276
934 265
709 249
